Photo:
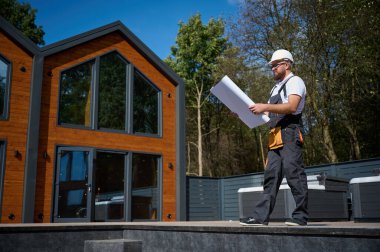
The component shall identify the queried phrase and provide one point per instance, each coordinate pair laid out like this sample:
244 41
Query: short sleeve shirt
294 86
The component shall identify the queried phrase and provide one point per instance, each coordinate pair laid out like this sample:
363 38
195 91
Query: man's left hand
258 108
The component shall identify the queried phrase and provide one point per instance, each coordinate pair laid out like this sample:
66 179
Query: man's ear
288 65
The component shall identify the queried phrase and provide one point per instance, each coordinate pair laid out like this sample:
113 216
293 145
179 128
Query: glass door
109 189
73 187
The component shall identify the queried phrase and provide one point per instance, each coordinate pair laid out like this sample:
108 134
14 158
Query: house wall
52 134
14 130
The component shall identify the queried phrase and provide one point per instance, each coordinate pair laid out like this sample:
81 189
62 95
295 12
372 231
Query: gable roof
104 30
20 38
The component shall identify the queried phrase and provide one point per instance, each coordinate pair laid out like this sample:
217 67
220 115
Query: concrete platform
195 236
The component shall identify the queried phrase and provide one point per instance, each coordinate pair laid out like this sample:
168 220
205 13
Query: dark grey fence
217 198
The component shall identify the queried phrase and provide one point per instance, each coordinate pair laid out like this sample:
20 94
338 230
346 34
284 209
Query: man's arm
284 108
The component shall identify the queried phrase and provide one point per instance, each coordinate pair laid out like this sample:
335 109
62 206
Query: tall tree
339 55
193 57
236 148
334 44
23 17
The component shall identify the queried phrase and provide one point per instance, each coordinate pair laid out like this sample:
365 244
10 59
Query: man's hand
258 108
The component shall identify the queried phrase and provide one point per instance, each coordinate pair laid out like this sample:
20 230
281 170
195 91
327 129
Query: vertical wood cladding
14 129
52 135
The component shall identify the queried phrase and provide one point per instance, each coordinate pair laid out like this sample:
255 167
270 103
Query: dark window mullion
159 113
2 169
128 186
159 188
129 99
95 95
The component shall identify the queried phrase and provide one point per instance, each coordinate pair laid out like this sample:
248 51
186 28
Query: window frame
8 82
95 83
55 194
159 185
159 105
97 93
128 166
69 125
127 156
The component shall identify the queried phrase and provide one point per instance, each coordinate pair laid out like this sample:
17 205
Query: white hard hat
281 55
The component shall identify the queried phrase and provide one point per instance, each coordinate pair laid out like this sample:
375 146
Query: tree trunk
199 125
355 141
328 144
323 121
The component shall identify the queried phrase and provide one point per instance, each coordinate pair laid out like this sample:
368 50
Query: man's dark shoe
251 222
295 222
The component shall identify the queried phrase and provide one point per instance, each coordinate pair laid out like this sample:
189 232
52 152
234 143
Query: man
285 143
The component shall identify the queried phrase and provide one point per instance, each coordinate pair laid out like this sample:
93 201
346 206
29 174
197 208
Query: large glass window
145 105
4 87
112 95
95 95
145 190
109 186
75 95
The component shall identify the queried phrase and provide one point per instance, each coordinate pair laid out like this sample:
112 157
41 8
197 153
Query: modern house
91 129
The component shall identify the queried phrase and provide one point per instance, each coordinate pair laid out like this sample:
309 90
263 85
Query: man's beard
278 75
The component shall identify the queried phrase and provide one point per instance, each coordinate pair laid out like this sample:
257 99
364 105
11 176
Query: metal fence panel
217 198
203 201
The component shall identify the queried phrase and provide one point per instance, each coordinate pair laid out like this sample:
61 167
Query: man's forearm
284 108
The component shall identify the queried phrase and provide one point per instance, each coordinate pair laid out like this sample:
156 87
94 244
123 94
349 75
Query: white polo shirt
294 86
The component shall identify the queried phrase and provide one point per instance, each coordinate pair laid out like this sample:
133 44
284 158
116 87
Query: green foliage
336 51
22 16
335 46
194 59
236 148
196 51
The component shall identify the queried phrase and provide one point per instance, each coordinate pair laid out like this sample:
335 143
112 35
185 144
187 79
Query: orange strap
301 137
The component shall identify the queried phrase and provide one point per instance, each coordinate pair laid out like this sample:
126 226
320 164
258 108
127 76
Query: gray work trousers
286 161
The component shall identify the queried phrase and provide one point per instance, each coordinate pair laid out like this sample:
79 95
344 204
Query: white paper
238 102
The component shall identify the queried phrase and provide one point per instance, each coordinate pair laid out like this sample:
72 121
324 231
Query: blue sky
154 22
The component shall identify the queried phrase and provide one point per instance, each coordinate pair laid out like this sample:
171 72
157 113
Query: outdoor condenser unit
365 193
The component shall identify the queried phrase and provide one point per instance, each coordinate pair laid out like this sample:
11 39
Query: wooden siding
52 135
14 129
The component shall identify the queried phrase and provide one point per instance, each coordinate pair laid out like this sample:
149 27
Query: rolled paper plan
238 102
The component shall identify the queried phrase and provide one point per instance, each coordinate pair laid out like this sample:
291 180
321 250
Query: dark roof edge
104 30
19 36
79 39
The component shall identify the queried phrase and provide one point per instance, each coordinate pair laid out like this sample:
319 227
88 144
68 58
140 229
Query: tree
22 16
236 148
334 44
340 56
193 58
